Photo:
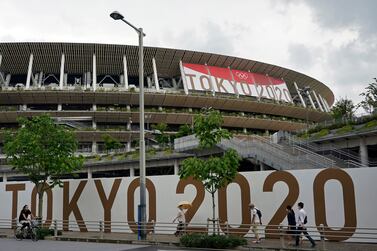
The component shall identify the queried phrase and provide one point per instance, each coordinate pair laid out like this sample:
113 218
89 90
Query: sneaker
256 242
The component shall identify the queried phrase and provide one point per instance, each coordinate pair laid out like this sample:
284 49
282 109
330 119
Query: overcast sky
332 41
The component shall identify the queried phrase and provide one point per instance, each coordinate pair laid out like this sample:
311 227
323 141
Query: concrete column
132 172
94 108
90 176
94 82
61 79
363 152
125 72
176 167
5 177
1 59
318 102
310 99
261 166
24 107
183 77
121 80
94 124
40 79
299 94
155 75
149 82
60 107
94 147
128 146
29 71
7 80
175 84
325 105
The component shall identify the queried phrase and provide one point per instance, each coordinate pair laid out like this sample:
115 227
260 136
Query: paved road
46 245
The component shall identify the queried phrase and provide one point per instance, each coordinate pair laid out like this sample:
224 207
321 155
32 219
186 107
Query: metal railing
163 230
263 150
342 157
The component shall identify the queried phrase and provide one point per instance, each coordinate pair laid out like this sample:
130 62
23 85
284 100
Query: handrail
348 157
266 151
318 232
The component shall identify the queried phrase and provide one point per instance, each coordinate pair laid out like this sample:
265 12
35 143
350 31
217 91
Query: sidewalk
172 241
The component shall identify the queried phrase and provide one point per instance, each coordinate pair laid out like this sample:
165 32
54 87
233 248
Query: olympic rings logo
242 75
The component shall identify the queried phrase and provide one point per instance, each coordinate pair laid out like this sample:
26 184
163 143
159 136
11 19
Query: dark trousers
303 230
26 224
180 229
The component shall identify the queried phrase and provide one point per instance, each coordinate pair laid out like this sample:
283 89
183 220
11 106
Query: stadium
93 89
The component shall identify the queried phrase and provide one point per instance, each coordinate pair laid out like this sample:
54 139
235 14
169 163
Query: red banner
224 80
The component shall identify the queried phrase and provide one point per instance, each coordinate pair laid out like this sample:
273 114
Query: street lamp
142 206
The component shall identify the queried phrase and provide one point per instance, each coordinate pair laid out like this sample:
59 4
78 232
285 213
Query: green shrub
121 157
43 232
168 151
322 133
212 241
371 124
304 135
151 152
344 129
135 155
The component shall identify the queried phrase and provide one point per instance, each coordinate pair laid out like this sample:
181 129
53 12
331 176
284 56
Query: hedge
212 241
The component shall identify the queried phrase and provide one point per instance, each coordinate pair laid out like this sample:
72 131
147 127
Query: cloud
210 37
301 55
360 14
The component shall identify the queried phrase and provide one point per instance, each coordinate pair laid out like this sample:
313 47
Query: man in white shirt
254 222
301 221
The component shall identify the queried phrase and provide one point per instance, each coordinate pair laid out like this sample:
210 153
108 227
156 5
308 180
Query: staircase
343 159
260 149
73 124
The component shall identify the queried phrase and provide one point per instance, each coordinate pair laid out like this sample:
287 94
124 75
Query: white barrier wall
341 199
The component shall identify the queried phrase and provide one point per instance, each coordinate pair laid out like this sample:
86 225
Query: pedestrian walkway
164 241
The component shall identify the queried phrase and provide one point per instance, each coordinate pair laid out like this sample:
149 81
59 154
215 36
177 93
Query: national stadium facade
93 88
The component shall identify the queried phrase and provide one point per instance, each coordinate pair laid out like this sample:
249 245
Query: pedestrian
181 221
291 224
255 221
301 221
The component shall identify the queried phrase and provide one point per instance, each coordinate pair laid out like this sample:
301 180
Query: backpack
306 219
259 213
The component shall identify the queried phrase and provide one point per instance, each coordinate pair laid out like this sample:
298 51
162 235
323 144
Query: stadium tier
93 88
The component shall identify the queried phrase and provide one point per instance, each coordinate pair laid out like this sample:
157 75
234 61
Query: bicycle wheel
34 234
18 233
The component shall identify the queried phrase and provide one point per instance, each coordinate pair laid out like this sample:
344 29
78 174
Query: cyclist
25 217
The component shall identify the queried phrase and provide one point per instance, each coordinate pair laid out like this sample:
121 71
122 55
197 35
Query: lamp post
142 206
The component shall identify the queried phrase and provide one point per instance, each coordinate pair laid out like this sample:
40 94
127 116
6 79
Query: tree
43 151
343 109
370 98
184 130
161 137
111 143
214 172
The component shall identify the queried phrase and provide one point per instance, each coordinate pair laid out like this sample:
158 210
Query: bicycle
28 232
